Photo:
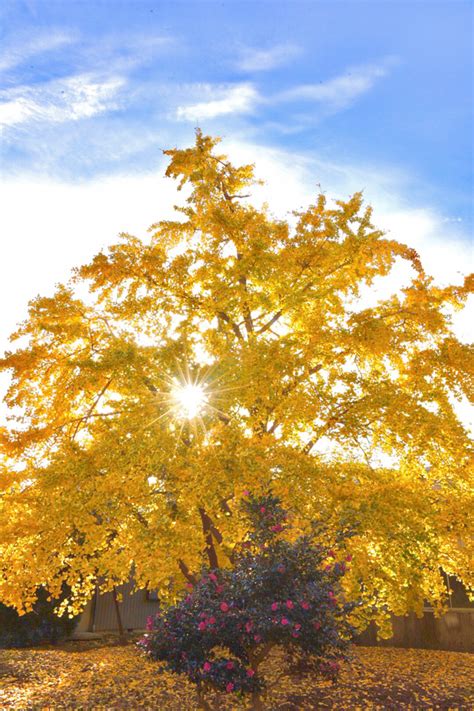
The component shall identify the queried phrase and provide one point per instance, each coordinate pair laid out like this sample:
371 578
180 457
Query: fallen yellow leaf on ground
104 676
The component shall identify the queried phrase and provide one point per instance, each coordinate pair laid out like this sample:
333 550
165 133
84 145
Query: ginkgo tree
234 350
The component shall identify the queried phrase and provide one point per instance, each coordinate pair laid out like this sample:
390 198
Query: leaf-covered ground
86 675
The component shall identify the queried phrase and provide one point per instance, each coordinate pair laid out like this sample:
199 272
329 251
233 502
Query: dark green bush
36 627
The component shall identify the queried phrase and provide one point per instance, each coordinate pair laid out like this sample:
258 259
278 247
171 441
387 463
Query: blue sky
352 95
95 87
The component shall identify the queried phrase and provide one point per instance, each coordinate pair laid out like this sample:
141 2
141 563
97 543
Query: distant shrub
278 593
40 625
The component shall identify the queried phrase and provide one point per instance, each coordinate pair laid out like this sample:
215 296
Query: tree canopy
290 382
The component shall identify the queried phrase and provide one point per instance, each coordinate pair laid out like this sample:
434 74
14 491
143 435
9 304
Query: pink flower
262 509
229 687
248 626
277 528
224 606
190 586
284 621
297 627
211 621
250 672
305 605
207 666
328 568
219 589
213 577
275 606
331 553
149 623
201 626
348 558
229 665
294 634
246 492
289 604
257 638
317 625
330 593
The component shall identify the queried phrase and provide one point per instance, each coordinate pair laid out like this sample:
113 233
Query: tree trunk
257 702
203 704
119 617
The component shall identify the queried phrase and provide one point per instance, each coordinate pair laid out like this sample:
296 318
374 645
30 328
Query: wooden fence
453 631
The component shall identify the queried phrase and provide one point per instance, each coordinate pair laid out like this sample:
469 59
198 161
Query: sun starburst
190 400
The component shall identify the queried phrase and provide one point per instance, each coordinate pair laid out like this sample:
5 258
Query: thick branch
235 328
186 572
118 615
247 313
208 530
150 386
270 323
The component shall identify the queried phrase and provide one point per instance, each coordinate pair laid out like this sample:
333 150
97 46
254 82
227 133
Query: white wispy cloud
332 95
261 60
220 100
25 47
68 99
121 53
342 90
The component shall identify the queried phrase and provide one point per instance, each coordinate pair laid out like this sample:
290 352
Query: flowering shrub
278 593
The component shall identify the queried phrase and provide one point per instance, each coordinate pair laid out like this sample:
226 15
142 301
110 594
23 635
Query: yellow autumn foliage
344 409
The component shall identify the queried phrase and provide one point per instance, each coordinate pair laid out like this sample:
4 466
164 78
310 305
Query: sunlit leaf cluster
341 403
